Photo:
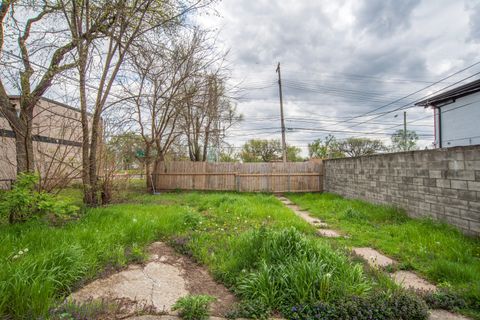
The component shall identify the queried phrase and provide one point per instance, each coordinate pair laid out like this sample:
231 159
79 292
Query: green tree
325 148
128 148
293 154
258 150
355 147
228 154
401 142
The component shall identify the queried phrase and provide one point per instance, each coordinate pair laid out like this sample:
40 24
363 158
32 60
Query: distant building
57 141
457 115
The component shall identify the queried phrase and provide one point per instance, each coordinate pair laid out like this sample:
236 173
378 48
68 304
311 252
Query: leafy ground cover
437 251
251 242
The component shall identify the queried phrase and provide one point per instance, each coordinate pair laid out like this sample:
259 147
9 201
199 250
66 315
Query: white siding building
456 116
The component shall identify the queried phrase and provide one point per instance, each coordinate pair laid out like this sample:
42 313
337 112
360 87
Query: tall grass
436 250
290 269
54 260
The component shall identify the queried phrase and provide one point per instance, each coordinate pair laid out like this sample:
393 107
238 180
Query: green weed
436 250
193 307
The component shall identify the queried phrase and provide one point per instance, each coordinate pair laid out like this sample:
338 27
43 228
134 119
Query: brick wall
443 183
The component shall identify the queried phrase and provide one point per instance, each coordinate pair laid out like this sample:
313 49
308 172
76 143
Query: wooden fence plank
242 177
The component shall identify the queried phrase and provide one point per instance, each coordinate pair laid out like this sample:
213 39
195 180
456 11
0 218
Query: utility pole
405 130
284 144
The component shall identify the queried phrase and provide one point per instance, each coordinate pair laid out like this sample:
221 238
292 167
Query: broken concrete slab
373 257
143 284
445 315
328 233
158 284
410 280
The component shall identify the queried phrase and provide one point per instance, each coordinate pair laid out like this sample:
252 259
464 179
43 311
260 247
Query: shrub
444 299
249 309
398 306
24 202
193 307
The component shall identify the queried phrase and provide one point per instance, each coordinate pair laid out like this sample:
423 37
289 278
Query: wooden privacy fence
242 177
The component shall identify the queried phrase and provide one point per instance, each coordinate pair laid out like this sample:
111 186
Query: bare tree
207 114
103 58
161 69
39 50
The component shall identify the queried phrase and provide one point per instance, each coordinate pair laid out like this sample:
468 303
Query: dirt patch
159 283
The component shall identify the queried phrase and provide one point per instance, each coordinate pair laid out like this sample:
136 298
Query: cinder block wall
443 183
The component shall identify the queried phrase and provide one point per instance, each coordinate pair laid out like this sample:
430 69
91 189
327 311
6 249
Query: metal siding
461 122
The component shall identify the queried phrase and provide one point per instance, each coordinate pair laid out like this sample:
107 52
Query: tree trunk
148 171
92 161
24 140
88 194
24 149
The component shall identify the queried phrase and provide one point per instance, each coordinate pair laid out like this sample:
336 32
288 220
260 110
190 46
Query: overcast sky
341 59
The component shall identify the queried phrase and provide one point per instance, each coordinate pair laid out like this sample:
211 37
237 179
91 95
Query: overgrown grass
438 251
251 242
56 259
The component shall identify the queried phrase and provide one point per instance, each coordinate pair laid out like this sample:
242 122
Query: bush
444 299
250 309
193 307
398 306
24 202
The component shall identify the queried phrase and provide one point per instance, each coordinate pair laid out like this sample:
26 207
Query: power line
422 89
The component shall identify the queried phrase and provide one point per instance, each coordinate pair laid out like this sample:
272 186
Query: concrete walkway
322 231
406 279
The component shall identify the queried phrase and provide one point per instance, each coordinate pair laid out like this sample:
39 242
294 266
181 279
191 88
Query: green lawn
437 251
260 249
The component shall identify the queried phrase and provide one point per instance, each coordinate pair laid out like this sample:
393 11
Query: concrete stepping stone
410 280
328 233
373 257
320 224
445 315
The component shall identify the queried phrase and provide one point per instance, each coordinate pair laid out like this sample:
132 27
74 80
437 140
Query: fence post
288 182
237 181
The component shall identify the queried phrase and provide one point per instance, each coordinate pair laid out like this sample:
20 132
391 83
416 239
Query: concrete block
456 165
467 195
461 174
474 227
437 209
436 174
443 183
474 205
459 222
418 181
429 182
470 215
474 185
459 184
451 211
472 165
450 193
439 165
472 154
